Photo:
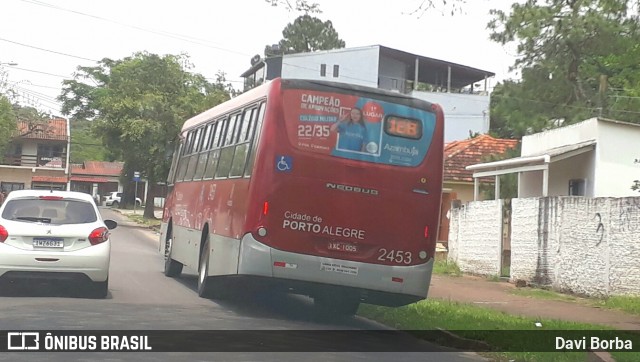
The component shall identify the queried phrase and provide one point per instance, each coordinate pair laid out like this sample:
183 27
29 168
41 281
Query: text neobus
307 223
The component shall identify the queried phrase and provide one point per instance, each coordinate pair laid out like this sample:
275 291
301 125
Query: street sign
136 176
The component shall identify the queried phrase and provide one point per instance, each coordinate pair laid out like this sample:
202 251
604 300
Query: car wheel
115 204
99 290
172 268
204 280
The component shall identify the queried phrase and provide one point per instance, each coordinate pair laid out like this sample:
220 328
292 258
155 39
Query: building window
323 70
336 71
10 186
577 187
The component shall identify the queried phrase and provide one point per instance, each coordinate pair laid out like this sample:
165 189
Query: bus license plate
338 246
48 242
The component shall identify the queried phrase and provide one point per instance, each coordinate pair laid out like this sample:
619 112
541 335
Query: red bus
323 189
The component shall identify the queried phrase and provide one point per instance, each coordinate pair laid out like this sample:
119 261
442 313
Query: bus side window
233 121
184 157
201 164
171 178
224 163
223 124
212 163
254 137
204 153
239 159
193 158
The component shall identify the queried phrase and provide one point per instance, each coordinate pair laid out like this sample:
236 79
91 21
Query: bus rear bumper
377 284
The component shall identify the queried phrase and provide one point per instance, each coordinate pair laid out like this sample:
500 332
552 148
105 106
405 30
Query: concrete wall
474 237
464 192
463 113
577 167
617 151
540 143
356 65
588 246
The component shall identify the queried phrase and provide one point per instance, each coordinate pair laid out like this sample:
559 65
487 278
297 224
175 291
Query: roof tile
97 168
53 129
460 154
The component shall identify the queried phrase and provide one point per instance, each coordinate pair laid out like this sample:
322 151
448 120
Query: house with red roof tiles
96 177
458 182
37 157
597 157
99 178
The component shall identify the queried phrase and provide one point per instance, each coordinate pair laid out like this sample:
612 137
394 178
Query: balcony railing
35 161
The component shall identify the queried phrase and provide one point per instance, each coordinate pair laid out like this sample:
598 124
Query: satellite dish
255 60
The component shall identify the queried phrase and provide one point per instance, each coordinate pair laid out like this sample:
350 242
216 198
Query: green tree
508 182
573 55
30 114
85 146
8 124
307 34
138 105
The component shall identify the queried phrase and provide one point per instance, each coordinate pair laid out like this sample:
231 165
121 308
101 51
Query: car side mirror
110 224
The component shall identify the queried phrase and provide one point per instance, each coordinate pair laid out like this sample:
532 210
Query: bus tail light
4 234
426 232
265 208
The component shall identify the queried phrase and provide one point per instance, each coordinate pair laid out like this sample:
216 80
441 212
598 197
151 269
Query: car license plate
48 242
339 246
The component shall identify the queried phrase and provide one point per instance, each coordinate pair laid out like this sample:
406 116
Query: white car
115 199
55 235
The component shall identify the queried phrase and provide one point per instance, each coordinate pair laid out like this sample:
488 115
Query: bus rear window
358 128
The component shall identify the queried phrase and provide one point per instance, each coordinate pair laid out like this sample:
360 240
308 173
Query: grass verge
138 219
626 304
483 324
444 267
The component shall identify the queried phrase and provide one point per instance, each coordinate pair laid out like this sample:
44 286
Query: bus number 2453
395 256
317 130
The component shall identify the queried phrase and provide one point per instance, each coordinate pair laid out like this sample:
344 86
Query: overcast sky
221 35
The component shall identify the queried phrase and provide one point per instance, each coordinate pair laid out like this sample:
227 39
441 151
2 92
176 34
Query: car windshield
59 212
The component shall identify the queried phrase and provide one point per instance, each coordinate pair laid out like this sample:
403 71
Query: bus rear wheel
172 268
334 305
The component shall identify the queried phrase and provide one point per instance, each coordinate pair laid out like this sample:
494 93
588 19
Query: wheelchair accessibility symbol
284 163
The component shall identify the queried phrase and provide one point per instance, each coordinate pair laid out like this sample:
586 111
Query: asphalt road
142 298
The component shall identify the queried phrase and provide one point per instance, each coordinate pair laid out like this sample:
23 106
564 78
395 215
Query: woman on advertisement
352 132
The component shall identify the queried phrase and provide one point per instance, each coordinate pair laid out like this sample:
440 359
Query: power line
29 84
47 50
40 72
161 33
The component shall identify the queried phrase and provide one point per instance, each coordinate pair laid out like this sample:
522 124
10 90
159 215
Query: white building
460 90
594 158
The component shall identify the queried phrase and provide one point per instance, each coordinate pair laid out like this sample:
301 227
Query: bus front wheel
204 280
172 268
